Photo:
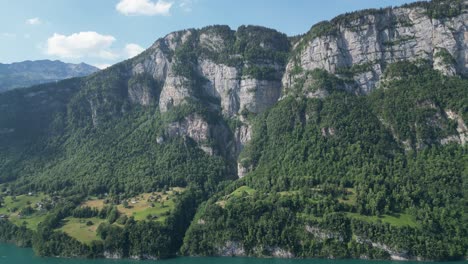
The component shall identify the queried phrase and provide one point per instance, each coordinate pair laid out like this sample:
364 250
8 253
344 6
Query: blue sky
102 32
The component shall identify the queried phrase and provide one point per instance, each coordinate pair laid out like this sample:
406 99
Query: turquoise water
10 254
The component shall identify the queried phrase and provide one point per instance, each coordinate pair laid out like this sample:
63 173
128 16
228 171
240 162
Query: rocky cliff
347 139
236 73
230 72
360 45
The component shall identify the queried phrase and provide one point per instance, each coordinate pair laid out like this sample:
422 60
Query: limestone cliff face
256 96
364 45
236 92
223 83
227 83
157 60
212 138
247 71
221 77
358 47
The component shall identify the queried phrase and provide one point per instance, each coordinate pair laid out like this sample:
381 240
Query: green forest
329 169
84 172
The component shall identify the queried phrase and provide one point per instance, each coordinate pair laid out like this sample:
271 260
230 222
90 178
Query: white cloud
34 21
102 66
144 7
82 44
131 50
186 5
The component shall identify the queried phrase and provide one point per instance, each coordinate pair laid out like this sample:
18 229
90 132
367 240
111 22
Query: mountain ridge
28 73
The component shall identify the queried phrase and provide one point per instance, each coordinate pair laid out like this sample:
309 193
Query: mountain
346 142
28 73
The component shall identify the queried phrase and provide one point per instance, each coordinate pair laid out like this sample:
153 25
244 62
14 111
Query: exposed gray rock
278 252
258 95
223 83
193 126
323 234
320 94
363 46
241 170
144 257
160 140
376 40
175 91
157 62
242 135
208 136
462 130
394 254
440 64
212 41
94 112
231 248
112 255
140 93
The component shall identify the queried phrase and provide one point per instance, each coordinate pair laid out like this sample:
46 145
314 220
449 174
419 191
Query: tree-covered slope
344 154
107 136
331 176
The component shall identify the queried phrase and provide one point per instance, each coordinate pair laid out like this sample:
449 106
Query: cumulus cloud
131 50
82 44
144 7
34 21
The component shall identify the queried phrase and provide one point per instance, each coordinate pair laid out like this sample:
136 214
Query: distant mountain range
28 73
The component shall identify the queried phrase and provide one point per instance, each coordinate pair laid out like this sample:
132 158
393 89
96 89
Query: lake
10 254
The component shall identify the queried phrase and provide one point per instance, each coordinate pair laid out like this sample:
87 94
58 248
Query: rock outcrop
225 86
241 72
361 46
234 89
462 129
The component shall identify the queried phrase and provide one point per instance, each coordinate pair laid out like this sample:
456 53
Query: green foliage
116 157
307 154
331 28
11 233
324 28
260 45
317 79
445 55
396 42
355 69
261 73
440 9
186 58
251 49
329 176
413 100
